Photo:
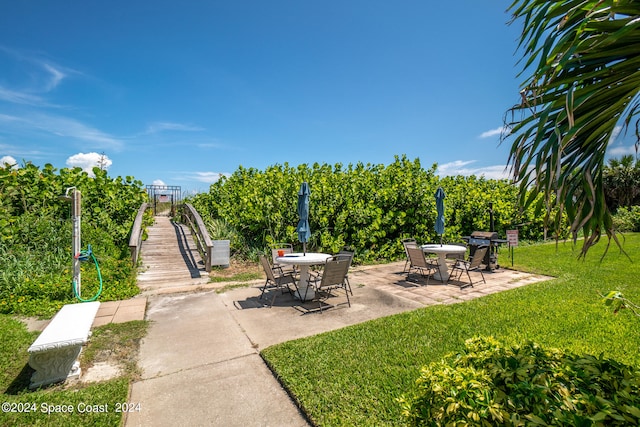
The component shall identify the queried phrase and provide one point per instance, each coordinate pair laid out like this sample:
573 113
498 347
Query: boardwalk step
169 258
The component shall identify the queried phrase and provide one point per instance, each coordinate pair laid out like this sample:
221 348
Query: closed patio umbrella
303 229
439 226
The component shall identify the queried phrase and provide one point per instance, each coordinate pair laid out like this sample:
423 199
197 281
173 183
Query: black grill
485 238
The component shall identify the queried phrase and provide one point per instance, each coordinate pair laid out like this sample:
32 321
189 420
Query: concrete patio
378 291
201 363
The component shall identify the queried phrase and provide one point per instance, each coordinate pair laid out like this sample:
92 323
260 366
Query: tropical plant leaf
585 85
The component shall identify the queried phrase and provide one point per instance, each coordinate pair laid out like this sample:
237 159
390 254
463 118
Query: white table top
447 249
298 258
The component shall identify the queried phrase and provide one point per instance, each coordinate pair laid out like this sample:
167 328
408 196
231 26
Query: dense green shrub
36 234
490 384
627 219
368 208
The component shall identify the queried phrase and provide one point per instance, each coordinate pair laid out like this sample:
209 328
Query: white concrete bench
54 353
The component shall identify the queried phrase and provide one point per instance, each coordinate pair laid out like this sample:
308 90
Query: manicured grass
353 376
95 404
240 277
68 407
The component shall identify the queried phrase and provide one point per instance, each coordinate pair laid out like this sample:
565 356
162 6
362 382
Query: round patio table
442 250
303 261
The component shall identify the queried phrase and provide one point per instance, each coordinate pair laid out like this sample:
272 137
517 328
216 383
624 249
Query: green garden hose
85 256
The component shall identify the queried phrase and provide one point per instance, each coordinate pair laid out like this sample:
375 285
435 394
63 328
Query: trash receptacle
220 253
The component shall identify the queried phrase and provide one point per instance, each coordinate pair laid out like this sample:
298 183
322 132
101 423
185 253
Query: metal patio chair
286 248
277 281
334 276
419 263
408 243
462 266
348 255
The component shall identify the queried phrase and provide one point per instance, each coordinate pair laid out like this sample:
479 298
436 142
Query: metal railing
199 232
135 241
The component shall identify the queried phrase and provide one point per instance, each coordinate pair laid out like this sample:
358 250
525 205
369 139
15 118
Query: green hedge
490 384
36 234
368 208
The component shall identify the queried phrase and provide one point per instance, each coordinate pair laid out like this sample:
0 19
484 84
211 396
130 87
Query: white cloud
8 119
615 133
454 168
44 76
65 127
22 98
22 151
9 161
204 177
209 177
460 167
621 150
159 182
493 132
87 161
56 77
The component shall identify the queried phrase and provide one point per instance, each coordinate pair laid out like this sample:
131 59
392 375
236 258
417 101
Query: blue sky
181 92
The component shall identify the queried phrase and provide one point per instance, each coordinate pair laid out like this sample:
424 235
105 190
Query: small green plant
496 385
617 301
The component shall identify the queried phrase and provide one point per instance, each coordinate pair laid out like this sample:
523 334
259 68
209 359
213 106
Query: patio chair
334 276
419 263
408 243
348 255
286 248
462 266
280 281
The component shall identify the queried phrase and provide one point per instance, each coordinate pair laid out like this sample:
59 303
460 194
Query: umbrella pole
304 248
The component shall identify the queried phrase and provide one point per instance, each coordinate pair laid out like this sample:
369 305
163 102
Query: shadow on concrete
284 299
186 251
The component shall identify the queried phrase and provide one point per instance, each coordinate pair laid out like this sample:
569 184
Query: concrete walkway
201 363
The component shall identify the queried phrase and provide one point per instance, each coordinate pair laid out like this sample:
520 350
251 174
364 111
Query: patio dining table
442 250
304 261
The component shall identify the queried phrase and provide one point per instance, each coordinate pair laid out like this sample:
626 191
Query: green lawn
353 376
59 405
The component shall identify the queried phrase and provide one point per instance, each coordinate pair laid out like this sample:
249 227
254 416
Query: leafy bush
36 234
368 208
627 219
490 384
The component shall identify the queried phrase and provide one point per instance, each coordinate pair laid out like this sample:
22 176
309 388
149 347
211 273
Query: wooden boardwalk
170 259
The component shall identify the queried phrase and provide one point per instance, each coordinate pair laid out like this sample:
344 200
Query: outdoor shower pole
76 209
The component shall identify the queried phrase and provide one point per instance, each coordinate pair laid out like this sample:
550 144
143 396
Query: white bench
54 353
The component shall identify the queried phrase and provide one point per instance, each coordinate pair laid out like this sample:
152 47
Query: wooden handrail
200 233
135 241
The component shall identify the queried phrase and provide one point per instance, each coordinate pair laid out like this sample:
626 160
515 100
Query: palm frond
583 61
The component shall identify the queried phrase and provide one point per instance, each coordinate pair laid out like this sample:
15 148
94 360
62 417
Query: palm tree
622 182
583 57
